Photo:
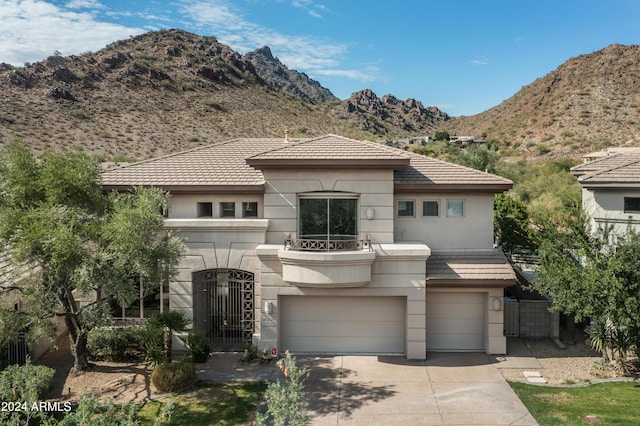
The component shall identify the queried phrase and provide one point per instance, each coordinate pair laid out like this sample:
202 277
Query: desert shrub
253 354
197 347
169 377
17 380
21 385
152 345
115 344
285 398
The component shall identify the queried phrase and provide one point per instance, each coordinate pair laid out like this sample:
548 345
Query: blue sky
463 56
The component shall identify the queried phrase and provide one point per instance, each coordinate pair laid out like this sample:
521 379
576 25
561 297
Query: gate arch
223 307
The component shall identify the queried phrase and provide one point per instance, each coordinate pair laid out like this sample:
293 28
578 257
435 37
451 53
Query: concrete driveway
446 389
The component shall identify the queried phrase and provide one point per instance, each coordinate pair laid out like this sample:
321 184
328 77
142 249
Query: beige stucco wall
184 206
607 207
398 270
374 186
473 231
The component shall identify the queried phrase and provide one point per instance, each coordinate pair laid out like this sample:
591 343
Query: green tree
54 214
476 157
169 322
441 136
511 223
594 274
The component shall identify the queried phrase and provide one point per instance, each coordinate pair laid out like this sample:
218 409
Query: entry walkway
446 389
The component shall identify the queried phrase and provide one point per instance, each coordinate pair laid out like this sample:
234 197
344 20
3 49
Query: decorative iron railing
328 245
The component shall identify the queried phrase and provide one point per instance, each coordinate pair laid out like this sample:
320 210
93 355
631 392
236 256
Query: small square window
205 209
631 205
430 208
228 209
405 208
250 209
455 208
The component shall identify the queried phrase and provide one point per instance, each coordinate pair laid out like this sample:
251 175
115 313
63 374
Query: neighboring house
611 190
330 245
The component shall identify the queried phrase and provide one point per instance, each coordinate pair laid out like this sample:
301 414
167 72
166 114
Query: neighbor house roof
236 165
619 170
11 272
485 268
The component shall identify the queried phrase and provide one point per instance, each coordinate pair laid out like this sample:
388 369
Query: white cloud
33 29
313 55
84 4
481 61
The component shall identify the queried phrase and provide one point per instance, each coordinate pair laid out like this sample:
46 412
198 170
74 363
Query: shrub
197 347
169 377
253 354
22 385
115 344
16 380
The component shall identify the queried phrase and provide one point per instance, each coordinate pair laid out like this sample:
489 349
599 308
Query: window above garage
327 222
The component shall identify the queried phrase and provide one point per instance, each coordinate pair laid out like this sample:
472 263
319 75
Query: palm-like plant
170 321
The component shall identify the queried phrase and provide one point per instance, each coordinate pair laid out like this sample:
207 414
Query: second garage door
342 325
455 321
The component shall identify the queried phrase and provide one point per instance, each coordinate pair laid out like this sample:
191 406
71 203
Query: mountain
149 95
171 90
590 102
278 76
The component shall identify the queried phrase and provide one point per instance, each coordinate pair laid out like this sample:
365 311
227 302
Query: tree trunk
168 343
81 362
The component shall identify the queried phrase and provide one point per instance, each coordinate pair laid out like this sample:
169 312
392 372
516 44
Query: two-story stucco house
330 245
611 190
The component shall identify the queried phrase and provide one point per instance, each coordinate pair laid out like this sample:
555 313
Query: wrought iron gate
223 307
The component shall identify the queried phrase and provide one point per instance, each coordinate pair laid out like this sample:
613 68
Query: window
430 208
455 208
334 218
631 205
228 209
405 208
150 300
205 209
250 209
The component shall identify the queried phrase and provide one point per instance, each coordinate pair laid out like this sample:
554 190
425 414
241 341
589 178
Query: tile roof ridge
610 169
597 160
173 154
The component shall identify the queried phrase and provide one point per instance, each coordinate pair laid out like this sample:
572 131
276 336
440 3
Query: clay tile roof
236 165
623 168
424 171
215 166
331 151
467 268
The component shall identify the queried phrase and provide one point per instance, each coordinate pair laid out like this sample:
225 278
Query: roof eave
461 282
175 189
492 188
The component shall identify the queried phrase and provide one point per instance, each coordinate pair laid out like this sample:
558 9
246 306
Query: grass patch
615 403
209 404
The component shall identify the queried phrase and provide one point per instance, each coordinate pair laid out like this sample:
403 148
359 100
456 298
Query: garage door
455 321
342 325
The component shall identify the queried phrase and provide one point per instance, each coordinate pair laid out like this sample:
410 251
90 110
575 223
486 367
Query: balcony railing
333 243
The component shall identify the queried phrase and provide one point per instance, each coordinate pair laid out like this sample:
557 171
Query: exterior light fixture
370 213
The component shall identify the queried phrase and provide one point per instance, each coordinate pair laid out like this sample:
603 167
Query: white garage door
455 321
342 325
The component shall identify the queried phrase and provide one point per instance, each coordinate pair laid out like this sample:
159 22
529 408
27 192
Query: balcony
330 244
329 262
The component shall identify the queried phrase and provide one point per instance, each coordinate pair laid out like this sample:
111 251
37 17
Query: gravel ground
575 364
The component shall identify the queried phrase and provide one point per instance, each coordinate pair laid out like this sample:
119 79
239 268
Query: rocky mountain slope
171 90
590 102
281 78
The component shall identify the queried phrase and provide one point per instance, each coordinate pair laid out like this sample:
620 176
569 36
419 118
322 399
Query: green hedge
115 344
20 381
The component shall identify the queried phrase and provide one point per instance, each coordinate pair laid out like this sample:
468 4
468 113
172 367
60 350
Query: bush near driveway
616 403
